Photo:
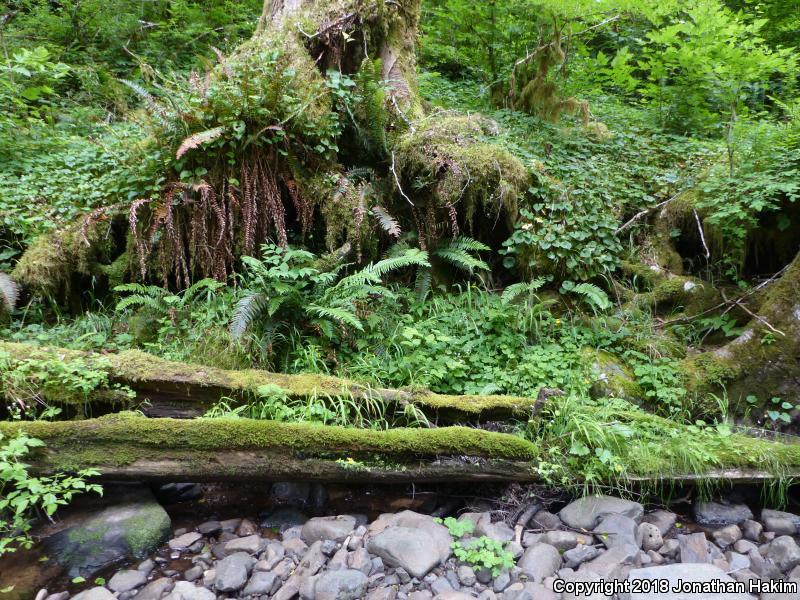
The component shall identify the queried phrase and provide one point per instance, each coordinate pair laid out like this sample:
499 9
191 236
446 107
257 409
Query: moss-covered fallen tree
175 389
129 446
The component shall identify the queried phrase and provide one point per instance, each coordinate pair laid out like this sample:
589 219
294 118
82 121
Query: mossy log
175 389
126 446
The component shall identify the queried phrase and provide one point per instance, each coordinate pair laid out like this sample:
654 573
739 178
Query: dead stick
702 235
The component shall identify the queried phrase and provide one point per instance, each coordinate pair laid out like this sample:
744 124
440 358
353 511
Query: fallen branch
130 447
756 317
644 212
730 304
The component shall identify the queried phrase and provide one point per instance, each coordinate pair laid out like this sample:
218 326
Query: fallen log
127 446
183 390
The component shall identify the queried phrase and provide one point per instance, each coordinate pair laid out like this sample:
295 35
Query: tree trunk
385 30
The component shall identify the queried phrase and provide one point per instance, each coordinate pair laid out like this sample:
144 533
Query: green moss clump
612 377
127 430
449 156
147 530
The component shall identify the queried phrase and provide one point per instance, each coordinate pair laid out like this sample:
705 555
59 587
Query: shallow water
30 570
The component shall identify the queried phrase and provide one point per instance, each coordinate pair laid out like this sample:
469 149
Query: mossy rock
612 378
130 529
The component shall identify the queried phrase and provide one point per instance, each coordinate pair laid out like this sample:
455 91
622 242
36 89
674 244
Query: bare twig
402 114
598 25
702 235
729 303
755 316
646 211
397 180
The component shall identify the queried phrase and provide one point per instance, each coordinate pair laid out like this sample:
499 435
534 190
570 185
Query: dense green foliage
568 207
24 496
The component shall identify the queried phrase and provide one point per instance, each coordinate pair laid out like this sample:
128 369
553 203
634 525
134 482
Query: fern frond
387 221
9 292
156 109
467 244
198 139
342 315
422 285
460 259
413 257
374 272
200 286
248 309
157 304
592 295
513 292
356 173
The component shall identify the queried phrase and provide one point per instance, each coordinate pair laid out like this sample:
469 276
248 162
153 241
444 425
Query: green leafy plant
30 385
460 253
590 294
288 291
457 529
23 496
271 402
660 378
484 553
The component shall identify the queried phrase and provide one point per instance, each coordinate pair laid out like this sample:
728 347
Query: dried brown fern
198 139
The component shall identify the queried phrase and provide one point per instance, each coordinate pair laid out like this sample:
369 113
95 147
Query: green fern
513 292
458 253
285 295
156 110
373 273
248 310
596 298
342 315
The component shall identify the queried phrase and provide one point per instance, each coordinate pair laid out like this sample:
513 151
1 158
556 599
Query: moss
612 377
451 157
213 434
666 291
147 530
51 264
144 372
118 270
